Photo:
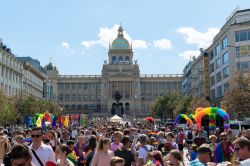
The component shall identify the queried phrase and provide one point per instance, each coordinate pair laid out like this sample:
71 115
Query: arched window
73 107
120 59
127 59
114 60
79 107
66 107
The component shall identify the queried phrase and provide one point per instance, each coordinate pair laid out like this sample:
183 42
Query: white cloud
107 35
65 45
202 40
141 44
188 55
89 44
163 44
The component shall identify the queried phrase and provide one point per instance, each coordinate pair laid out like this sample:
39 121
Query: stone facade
95 93
10 72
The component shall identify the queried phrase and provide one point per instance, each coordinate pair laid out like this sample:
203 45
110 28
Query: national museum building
96 94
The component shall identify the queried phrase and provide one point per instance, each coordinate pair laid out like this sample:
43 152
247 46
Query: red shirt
180 137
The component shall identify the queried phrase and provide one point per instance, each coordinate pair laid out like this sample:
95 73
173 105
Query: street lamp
237 56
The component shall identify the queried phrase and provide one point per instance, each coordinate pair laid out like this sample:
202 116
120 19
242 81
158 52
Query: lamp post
237 56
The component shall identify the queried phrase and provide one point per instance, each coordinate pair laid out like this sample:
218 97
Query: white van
236 126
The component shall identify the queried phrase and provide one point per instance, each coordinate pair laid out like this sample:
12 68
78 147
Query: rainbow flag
66 121
39 122
72 157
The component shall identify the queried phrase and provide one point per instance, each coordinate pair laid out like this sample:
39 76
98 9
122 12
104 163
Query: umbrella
150 119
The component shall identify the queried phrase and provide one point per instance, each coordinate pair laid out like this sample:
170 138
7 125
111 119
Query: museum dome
50 66
120 42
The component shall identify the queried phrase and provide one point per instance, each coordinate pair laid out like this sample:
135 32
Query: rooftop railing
161 75
80 76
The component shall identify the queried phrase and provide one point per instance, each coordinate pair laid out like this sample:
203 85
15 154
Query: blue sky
75 33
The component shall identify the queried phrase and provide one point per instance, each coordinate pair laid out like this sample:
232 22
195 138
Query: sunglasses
236 149
37 136
224 139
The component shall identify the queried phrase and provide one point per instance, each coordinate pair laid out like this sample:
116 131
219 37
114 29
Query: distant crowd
111 144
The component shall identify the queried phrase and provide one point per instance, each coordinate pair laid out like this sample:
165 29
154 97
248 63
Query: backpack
190 135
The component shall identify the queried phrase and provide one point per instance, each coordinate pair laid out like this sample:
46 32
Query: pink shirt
114 146
102 159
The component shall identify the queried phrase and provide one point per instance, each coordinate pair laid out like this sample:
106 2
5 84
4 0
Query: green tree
183 105
7 109
198 102
164 106
236 100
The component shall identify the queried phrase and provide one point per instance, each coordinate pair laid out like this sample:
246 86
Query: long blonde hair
7 144
101 142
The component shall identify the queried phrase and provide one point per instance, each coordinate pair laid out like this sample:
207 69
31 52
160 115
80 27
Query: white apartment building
10 72
229 52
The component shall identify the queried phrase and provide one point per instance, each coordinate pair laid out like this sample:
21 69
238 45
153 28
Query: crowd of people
111 144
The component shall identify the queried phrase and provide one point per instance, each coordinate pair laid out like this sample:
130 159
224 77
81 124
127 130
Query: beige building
95 93
196 77
21 75
229 52
34 78
10 71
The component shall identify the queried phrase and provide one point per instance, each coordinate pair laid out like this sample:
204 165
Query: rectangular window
218 77
73 97
79 86
226 72
244 66
67 86
73 86
219 91
212 81
218 63
212 94
242 35
225 58
211 55
224 43
211 68
226 87
217 49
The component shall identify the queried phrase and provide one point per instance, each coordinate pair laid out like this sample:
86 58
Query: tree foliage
14 109
198 102
164 106
237 99
172 104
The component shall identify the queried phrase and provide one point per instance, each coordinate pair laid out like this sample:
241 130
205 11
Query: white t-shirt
74 134
45 153
245 162
143 153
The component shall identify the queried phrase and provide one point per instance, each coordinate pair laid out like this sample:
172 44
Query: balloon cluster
211 112
189 121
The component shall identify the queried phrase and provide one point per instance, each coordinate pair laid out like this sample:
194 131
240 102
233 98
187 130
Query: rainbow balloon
189 121
212 112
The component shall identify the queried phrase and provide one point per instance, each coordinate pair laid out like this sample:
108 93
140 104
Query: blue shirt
193 156
196 163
